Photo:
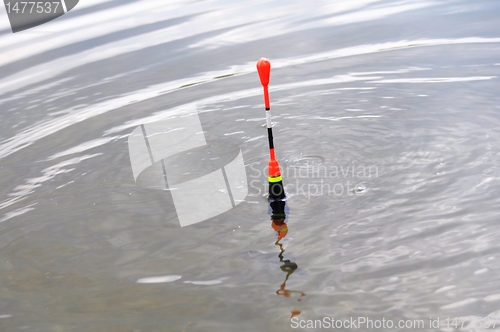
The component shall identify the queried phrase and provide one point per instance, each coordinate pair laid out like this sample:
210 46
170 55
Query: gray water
403 92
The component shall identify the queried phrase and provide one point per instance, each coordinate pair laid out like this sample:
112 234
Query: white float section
268 119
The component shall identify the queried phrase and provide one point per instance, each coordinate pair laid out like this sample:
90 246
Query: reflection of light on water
22 191
18 212
435 80
159 279
432 221
206 282
40 130
172 278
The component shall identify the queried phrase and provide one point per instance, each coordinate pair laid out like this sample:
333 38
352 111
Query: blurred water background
407 90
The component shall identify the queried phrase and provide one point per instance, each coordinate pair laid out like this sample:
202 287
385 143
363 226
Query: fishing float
276 189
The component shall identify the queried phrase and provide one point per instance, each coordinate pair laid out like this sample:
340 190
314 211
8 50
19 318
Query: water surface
405 90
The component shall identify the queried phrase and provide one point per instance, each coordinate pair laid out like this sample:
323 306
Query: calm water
393 105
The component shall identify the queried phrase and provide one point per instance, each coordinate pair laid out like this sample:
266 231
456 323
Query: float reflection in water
278 211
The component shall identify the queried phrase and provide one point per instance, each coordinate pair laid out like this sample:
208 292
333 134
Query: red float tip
264 69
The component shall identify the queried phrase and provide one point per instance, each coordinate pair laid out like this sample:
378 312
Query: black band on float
270 137
276 190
